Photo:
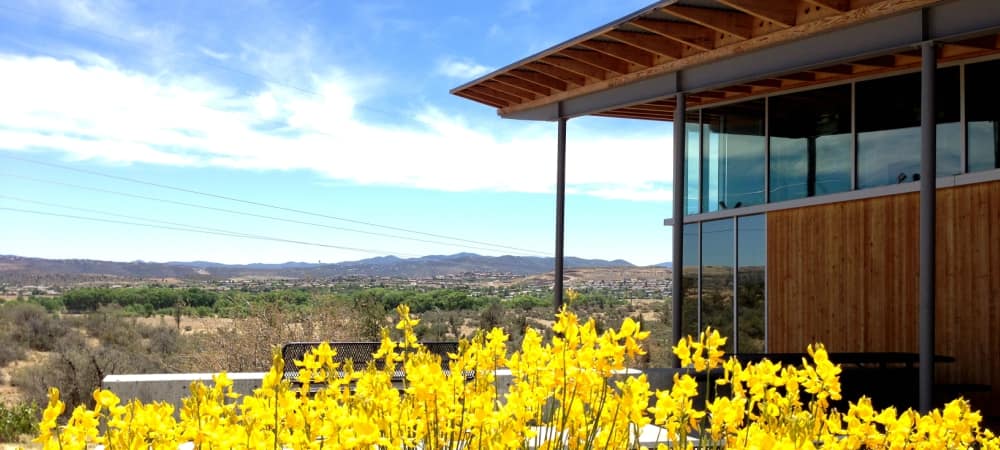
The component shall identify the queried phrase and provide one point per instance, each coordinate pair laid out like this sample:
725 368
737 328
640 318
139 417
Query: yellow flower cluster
566 393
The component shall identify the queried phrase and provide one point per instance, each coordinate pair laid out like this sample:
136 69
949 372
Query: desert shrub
18 420
372 314
491 317
246 345
437 326
162 340
11 350
77 366
31 325
113 327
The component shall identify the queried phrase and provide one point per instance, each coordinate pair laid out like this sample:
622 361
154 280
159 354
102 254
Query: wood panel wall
846 274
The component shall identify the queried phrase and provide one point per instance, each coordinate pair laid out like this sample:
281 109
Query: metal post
560 213
677 261
928 188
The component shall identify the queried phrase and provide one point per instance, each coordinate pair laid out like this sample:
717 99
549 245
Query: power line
244 213
125 216
262 204
205 231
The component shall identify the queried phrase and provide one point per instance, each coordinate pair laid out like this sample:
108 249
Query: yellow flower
562 385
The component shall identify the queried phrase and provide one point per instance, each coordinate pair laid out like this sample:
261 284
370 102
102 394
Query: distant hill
18 269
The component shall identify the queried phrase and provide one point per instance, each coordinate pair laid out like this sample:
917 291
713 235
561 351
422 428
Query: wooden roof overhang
723 50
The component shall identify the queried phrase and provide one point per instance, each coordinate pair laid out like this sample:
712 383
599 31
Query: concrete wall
172 387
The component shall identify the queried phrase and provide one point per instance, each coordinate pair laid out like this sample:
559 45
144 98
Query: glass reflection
888 123
733 156
692 162
717 277
750 283
810 143
691 268
983 115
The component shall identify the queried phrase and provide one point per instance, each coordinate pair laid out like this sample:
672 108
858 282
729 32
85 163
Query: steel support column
677 261
557 289
928 201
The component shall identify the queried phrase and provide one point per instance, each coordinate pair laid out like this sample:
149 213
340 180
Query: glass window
750 283
689 275
982 103
717 277
810 143
732 156
948 102
692 163
888 123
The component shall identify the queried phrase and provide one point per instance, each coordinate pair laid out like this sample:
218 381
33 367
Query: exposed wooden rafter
492 101
512 90
696 36
523 84
597 59
836 5
490 92
557 72
767 82
738 88
878 61
649 42
781 12
730 22
540 79
836 69
711 94
688 33
621 51
577 67
798 76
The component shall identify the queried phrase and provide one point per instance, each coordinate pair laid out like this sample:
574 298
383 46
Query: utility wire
243 213
265 205
190 191
205 231
124 216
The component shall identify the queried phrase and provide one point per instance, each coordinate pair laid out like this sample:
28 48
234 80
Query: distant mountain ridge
12 267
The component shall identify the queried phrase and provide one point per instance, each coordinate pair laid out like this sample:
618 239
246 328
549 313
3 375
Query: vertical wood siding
846 274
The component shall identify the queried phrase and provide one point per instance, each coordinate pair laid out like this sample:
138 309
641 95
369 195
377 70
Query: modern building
836 168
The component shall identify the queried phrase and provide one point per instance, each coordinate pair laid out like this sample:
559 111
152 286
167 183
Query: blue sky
329 110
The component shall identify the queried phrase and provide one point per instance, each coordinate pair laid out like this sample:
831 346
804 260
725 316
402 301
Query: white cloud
105 112
461 68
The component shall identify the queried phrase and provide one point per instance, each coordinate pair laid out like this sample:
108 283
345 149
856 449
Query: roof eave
566 44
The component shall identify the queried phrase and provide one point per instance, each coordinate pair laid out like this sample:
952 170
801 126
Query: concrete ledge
172 387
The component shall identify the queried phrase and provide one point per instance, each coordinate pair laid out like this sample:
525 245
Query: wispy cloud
108 113
520 6
111 19
461 68
218 56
